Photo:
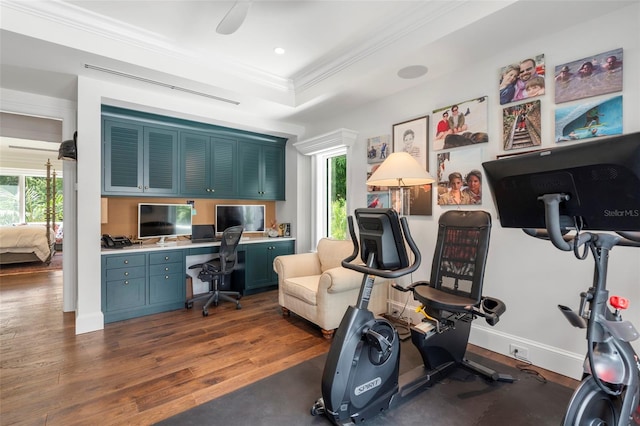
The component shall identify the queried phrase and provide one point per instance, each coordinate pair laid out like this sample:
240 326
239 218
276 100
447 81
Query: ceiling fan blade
234 18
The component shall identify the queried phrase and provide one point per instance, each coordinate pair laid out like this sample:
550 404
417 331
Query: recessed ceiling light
279 51
412 71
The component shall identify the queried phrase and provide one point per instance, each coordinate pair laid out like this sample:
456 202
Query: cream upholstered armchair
316 287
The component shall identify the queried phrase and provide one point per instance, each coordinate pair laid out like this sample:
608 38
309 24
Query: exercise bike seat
439 299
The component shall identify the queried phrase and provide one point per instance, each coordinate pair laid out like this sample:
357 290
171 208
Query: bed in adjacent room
26 243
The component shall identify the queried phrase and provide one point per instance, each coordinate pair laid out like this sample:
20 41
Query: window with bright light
331 195
23 199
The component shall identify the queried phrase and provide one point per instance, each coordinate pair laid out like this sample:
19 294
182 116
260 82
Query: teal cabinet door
160 161
208 166
139 160
122 157
195 175
259 263
261 171
167 277
123 284
224 168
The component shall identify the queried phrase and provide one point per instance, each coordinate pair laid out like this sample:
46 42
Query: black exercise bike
609 393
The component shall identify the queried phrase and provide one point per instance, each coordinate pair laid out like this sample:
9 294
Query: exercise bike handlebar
384 273
560 236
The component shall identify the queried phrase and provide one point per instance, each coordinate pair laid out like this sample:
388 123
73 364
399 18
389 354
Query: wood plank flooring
143 370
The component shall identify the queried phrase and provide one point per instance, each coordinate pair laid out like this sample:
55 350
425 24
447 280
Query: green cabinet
208 166
139 159
259 263
138 284
261 171
151 155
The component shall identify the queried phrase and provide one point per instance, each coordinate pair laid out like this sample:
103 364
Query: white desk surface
187 244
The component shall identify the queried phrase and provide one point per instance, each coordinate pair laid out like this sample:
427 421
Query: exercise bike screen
601 178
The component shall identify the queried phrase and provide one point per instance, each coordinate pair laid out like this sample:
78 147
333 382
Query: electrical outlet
519 352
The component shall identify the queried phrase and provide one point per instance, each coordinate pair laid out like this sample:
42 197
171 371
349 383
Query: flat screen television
251 217
601 178
163 221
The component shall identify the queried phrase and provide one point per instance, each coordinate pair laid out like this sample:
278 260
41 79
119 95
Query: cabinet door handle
166 277
166 258
166 269
126 262
126 274
126 283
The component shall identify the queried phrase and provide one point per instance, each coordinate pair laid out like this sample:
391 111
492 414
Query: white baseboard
550 358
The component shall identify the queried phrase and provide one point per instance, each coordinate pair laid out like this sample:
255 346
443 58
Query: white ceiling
339 54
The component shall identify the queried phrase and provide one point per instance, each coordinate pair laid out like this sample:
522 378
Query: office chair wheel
188 305
205 313
238 306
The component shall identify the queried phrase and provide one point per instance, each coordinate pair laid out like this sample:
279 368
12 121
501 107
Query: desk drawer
126 273
166 257
166 268
125 260
125 294
166 288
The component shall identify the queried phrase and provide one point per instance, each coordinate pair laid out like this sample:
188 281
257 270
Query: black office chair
222 264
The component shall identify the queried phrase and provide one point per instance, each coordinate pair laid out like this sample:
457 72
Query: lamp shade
398 170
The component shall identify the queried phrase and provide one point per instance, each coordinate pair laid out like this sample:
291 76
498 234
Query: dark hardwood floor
143 370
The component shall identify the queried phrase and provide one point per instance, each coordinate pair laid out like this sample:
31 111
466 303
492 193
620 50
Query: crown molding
327 141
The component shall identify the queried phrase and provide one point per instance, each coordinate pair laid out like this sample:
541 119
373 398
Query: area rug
29 267
462 399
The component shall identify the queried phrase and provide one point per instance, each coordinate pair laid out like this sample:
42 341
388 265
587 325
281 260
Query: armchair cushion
316 286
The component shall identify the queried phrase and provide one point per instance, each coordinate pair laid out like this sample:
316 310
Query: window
332 196
23 199
337 197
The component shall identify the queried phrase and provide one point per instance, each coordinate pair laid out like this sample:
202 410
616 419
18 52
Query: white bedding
25 239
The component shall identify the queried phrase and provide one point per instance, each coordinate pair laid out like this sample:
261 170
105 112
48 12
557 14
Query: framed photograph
587 120
461 124
378 200
371 168
411 136
378 148
460 177
592 76
521 126
522 80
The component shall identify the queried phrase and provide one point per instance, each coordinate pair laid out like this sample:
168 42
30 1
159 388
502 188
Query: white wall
529 275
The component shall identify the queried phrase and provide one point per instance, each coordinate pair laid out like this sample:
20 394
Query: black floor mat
462 399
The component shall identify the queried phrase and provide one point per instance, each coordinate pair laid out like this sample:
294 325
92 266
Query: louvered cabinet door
123 157
195 151
224 168
160 161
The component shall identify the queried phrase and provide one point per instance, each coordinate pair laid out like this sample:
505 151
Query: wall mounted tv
163 220
251 217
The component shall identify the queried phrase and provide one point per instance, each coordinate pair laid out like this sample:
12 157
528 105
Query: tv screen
251 217
163 220
380 234
601 178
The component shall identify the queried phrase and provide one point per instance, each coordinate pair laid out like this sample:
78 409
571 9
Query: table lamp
400 170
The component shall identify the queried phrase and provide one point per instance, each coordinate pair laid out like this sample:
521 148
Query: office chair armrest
297 265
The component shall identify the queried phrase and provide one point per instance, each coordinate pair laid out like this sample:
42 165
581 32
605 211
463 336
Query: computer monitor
157 220
380 234
601 178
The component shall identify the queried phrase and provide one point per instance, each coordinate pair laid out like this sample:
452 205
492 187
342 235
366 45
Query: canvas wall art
460 177
522 80
521 126
378 148
378 200
586 120
461 124
592 76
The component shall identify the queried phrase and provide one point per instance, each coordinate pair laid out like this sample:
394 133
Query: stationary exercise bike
570 195
609 393
361 375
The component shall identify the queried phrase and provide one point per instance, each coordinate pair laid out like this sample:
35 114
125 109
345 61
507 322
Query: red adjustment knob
619 302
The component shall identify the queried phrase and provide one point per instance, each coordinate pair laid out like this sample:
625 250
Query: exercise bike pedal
318 408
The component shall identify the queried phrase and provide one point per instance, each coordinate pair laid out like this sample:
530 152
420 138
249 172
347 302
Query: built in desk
147 279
